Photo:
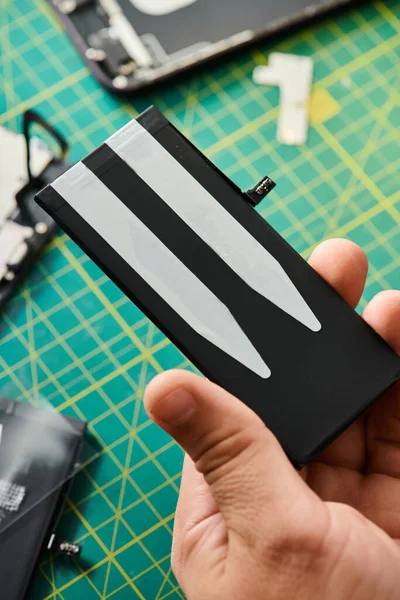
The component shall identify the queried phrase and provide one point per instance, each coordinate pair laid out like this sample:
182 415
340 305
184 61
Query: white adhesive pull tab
210 221
157 265
293 74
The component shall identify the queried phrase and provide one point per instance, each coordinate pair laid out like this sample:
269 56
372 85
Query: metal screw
120 82
127 68
67 6
95 54
41 228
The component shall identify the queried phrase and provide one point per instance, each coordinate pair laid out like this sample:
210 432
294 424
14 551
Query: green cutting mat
70 338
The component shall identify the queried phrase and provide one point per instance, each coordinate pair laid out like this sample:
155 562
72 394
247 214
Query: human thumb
249 475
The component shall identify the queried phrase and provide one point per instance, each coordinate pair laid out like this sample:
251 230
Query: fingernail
176 408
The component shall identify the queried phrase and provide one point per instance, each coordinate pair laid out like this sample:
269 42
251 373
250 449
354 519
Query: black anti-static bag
186 245
40 453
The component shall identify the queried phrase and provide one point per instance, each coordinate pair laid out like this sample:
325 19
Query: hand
248 525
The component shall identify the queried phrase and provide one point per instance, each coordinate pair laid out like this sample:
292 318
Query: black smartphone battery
186 245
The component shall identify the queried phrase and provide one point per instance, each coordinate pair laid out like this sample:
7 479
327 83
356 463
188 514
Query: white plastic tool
293 74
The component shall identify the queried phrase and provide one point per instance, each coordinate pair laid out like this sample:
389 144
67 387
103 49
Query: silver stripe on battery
157 265
209 220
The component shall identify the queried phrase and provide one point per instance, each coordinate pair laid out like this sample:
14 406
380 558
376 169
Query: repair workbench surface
72 339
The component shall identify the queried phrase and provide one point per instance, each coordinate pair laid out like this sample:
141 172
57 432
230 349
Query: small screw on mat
63 547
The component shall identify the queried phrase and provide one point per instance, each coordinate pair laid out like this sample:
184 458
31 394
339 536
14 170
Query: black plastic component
259 191
321 381
24 534
30 118
28 213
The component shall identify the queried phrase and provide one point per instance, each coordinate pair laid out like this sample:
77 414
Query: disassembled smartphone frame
26 165
132 43
185 244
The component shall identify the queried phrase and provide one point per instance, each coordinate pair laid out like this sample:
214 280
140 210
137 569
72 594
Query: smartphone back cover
182 241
